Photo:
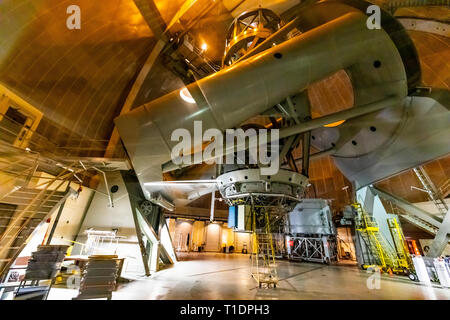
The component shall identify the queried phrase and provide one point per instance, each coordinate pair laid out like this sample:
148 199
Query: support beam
145 71
409 208
213 205
152 16
157 25
289 143
139 232
441 239
347 114
317 155
58 215
306 150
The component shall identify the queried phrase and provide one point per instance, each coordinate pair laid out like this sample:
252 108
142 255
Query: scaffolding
433 193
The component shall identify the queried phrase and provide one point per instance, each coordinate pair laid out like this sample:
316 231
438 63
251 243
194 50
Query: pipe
213 200
347 114
306 150
107 186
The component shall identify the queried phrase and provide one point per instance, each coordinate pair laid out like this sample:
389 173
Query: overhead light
204 47
334 124
186 95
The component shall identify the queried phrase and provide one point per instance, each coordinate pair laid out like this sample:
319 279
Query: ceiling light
204 47
334 124
186 95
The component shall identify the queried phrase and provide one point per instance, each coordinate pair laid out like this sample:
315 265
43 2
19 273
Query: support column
441 239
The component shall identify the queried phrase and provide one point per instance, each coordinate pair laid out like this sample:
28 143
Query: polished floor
207 276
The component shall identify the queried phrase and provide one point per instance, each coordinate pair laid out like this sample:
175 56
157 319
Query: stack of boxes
45 262
99 277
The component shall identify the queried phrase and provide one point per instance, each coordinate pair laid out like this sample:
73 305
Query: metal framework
314 249
247 31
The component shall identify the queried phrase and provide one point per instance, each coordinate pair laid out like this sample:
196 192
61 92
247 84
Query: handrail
38 142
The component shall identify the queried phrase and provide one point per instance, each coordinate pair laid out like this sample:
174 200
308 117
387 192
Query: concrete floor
208 276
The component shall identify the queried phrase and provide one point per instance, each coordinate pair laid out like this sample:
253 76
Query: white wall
101 216
241 238
71 217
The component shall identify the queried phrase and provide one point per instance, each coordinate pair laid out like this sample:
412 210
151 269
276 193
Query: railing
22 219
26 138
444 189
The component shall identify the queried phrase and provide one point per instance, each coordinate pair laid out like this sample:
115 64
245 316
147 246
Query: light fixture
334 124
186 95
204 47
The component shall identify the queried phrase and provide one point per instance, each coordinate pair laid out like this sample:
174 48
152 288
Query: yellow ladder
264 267
375 242
403 257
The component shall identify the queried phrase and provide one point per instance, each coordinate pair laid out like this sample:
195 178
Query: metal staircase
421 224
414 220
379 252
416 216
431 190
444 189
23 210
